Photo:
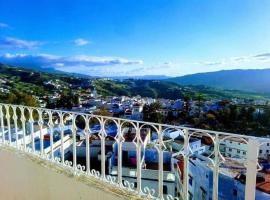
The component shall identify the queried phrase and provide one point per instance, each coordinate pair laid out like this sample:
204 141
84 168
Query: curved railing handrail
137 121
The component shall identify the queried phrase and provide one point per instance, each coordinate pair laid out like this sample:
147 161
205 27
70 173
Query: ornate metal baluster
119 141
160 162
2 124
139 158
23 127
216 168
87 136
8 123
102 140
51 133
40 124
74 144
32 132
15 118
186 161
62 126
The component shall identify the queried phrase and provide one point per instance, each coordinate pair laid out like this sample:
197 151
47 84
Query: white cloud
241 60
168 64
262 56
81 42
178 68
3 25
66 63
117 66
212 63
15 43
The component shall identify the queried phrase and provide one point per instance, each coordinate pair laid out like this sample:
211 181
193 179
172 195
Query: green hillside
32 82
251 80
170 90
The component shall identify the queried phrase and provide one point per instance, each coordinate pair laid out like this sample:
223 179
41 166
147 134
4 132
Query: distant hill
31 81
170 90
252 80
50 70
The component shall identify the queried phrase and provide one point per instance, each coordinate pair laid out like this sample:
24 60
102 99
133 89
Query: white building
149 170
237 148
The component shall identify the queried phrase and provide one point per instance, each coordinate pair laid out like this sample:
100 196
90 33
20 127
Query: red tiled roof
265 185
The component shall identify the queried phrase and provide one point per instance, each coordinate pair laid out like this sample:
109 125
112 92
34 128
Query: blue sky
135 37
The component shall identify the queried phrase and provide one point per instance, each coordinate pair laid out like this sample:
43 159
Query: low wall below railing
23 178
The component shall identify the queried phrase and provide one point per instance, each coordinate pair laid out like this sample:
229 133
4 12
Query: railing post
61 126
139 159
40 123
2 124
216 168
51 133
102 140
119 155
15 118
186 161
252 160
8 124
32 132
87 136
74 145
23 127
160 162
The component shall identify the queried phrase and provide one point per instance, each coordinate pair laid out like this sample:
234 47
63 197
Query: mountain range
232 81
32 81
251 80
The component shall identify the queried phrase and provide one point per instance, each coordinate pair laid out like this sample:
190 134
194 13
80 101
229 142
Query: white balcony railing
154 160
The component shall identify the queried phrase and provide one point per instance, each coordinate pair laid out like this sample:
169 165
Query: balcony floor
26 178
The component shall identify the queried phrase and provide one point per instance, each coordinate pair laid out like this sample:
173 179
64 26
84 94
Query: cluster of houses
4 88
132 107
256 102
55 84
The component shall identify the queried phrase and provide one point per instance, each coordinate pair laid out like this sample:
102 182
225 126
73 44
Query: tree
103 112
151 114
19 98
200 100
67 100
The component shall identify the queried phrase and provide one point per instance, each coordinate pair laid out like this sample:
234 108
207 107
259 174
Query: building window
230 149
239 143
267 144
261 151
267 151
204 194
238 151
135 184
165 189
244 153
190 180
